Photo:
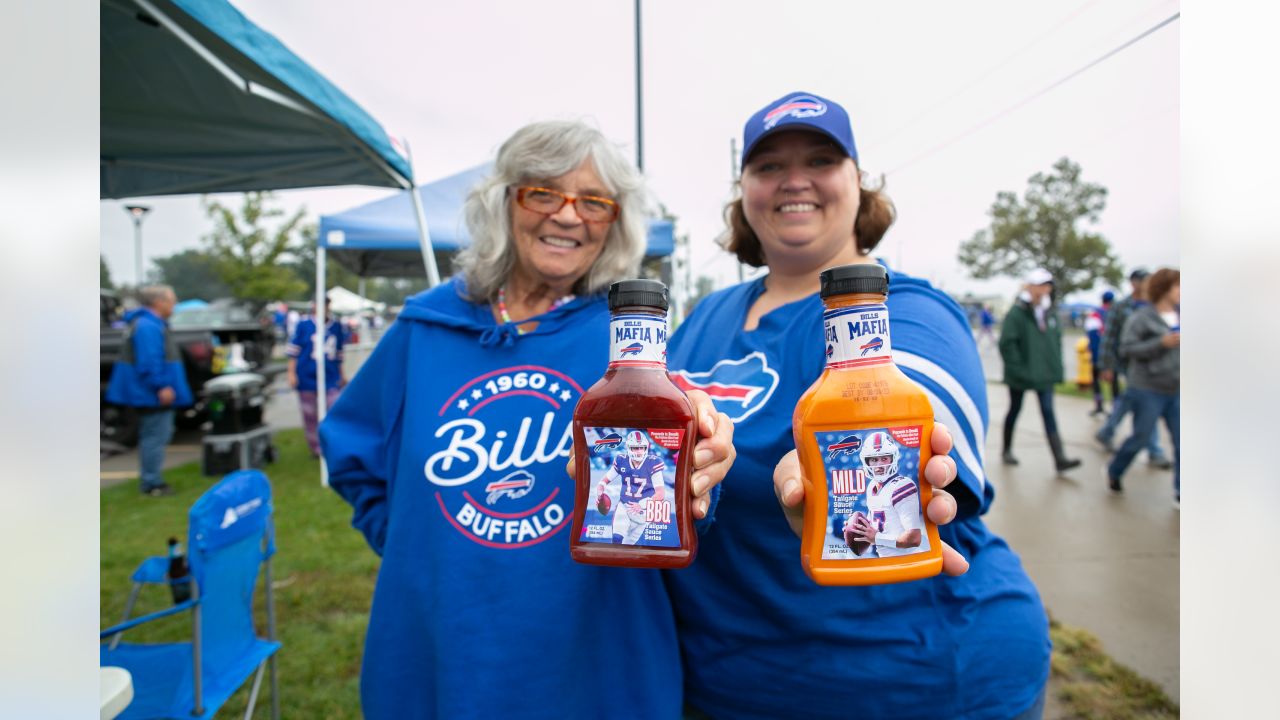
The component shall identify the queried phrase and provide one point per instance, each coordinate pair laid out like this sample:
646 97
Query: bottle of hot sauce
862 431
633 437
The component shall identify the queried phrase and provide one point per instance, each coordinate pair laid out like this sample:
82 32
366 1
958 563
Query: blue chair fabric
230 536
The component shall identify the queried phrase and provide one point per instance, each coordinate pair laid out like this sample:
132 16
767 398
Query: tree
192 274
104 274
1042 230
249 258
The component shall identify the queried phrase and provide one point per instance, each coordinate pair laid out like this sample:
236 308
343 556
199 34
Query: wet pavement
1103 562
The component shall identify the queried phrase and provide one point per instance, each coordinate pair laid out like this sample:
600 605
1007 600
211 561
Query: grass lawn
1089 685
324 576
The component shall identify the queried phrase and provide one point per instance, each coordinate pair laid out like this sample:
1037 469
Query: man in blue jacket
149 376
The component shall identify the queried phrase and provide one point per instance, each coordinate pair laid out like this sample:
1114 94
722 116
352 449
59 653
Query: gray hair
152 294
540 151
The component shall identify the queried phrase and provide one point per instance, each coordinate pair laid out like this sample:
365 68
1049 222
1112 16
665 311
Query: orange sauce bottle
862 431
633 437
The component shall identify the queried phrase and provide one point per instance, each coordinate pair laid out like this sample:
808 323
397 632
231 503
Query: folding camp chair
229 536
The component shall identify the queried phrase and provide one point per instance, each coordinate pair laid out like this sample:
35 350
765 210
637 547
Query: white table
115 690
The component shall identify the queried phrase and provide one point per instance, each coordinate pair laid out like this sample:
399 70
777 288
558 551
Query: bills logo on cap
737 388
871 345
632 349
797 106
607 443
846 446
515 486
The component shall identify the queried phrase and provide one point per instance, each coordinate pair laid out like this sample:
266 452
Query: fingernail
704 504
700 483
790 488
701 457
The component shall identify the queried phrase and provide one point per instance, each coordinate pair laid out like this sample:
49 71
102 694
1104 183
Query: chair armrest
180 607
153 570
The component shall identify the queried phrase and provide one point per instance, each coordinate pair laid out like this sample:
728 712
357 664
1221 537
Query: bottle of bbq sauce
633 437
862 431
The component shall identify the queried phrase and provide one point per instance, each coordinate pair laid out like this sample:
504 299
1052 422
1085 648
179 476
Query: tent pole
424 235
317 349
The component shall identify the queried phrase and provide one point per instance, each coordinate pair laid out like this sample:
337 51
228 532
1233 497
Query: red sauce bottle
633 437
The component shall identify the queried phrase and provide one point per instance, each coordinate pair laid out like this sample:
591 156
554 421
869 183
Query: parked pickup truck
220 338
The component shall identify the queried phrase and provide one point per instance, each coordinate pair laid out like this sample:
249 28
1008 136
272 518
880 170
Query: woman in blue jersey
759 638
450 444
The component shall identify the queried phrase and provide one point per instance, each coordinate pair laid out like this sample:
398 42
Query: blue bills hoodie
450 444
149 361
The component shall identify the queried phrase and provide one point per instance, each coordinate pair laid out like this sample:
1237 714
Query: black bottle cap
860 278
649 293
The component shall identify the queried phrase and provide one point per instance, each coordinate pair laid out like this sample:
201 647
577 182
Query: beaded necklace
506 316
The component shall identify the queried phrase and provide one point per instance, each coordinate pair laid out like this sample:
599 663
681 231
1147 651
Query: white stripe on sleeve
972 457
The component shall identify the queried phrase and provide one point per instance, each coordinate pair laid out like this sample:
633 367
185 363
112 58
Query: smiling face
559 249
800 196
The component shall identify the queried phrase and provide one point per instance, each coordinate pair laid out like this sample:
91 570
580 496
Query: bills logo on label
632 349
607 443
505 429
831 349
798 106
849 445
873 345
738 388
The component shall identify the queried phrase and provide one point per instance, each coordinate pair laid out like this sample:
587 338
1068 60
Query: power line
984 123
1034 42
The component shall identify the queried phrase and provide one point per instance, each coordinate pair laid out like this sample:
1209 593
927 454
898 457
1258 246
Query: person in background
149 377
280 317
1093 328
1150 344
759 638
1031 347
987 320
451 442
1113 367
302 375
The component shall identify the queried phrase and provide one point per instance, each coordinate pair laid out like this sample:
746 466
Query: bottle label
637 340
857 336
873 493
632 497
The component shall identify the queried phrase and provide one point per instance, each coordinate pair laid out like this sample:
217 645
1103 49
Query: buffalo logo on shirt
737 388
497 434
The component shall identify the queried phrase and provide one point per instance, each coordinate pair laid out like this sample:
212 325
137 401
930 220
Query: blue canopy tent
378 239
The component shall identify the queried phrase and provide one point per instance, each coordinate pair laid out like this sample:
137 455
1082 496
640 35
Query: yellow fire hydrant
1084 366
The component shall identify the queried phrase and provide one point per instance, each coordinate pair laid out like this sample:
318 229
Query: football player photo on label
873 504
632 498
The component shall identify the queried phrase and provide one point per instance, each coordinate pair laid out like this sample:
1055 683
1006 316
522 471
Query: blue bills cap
799 111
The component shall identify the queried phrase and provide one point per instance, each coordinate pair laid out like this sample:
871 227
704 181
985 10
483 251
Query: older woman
451 443
759 639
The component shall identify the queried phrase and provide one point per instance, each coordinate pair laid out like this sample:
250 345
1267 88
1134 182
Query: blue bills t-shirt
759 638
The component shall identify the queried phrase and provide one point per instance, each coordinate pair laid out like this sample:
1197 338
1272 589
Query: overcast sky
927 86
